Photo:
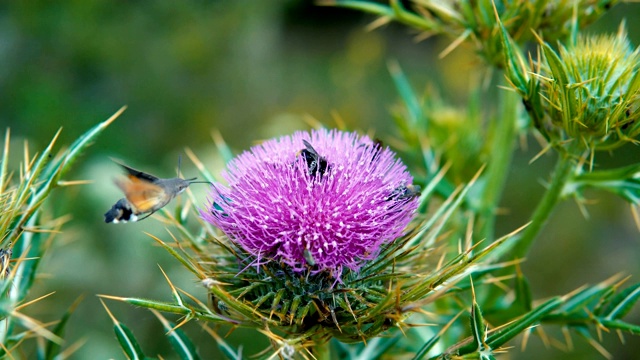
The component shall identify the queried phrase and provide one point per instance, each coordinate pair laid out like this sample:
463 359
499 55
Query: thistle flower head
594 89
325 201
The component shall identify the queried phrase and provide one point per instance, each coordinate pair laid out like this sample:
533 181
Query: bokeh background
250 70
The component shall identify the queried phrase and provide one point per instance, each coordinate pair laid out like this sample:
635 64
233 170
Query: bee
404 192
315 163
144 195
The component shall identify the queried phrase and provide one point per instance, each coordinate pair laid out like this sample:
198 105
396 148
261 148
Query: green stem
497 169
562 172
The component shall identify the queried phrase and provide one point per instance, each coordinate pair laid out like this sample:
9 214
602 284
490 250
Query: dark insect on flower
405 192
144 195
315 162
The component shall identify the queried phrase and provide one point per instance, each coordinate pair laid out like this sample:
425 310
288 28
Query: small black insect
407 192
315 163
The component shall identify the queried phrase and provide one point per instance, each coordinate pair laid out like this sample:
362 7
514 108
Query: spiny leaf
408 96
35 170
235 304
126 339
426 347
621 325
582 299
622 303
178 339
478 327
226 349
4 163
52 348
523 292
512 58
84 141
510 331
128 342
382 345
50 175
168 307
30 246
187 264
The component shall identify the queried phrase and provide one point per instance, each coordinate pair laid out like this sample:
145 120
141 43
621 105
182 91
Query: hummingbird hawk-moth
144 195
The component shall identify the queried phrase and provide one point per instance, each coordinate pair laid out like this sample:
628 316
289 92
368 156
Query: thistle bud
591 90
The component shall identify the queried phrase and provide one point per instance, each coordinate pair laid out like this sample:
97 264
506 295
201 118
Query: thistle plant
26 234
325 243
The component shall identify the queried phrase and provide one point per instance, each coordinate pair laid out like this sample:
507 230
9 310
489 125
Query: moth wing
143 195
133 173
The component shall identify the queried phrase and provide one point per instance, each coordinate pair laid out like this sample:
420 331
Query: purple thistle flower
326 204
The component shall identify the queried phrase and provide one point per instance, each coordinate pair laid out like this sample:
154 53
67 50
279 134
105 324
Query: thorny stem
497 169
562 172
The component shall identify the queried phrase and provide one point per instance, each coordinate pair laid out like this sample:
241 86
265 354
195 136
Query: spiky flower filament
325 201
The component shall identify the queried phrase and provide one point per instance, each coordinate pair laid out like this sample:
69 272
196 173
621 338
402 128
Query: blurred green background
252 70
